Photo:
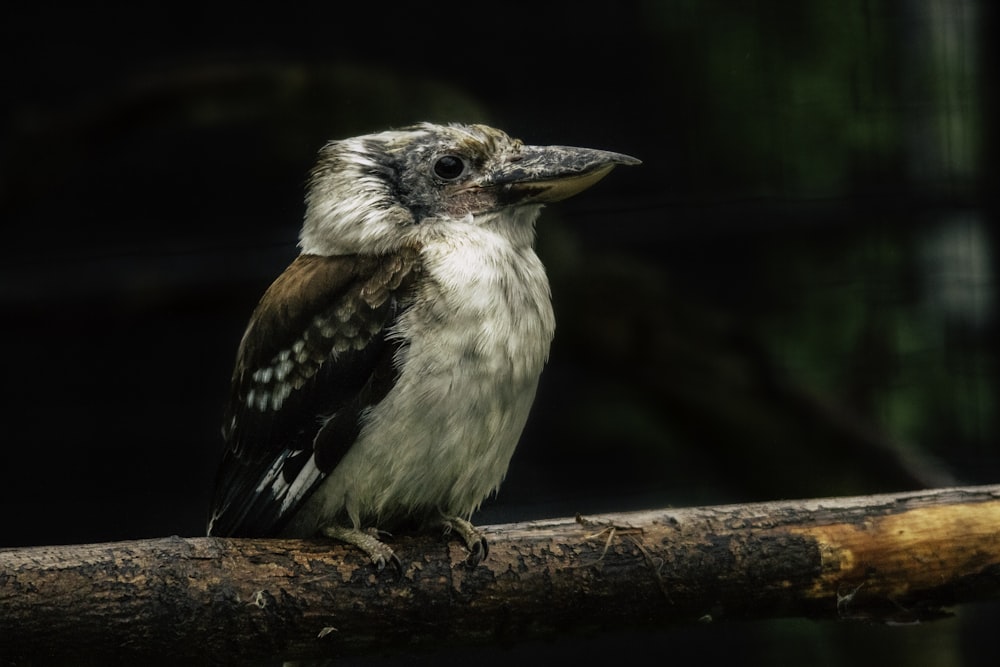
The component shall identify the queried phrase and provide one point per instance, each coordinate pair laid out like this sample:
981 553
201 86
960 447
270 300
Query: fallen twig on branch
900 557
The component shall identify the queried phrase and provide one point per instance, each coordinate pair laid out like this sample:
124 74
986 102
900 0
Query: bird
386 375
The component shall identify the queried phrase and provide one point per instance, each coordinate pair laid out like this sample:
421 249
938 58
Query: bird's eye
449 167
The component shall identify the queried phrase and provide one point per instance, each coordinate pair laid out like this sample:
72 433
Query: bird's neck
516 225
487 290
491 252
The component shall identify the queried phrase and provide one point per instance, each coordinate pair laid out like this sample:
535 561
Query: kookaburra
387 374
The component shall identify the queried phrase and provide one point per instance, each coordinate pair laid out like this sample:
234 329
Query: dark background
794 296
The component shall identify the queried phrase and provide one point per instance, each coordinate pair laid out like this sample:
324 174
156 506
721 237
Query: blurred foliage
822 98
853 319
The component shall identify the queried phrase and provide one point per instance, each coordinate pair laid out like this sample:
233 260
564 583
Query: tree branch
891 557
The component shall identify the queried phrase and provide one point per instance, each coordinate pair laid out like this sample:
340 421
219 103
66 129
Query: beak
542 174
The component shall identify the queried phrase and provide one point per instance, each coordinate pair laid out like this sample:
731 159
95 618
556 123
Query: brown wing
314 356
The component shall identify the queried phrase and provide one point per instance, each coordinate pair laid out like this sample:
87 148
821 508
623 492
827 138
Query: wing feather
316 354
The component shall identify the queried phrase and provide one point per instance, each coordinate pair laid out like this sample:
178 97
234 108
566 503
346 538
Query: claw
474 541
396 564
366 540
478 552
378 533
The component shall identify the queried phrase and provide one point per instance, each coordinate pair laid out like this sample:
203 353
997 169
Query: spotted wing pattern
316 354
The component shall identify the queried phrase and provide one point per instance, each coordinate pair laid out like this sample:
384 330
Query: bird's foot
366 540
477 545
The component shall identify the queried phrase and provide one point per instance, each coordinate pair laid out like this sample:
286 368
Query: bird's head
368 193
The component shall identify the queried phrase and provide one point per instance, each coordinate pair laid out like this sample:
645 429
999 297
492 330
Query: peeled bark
902 557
